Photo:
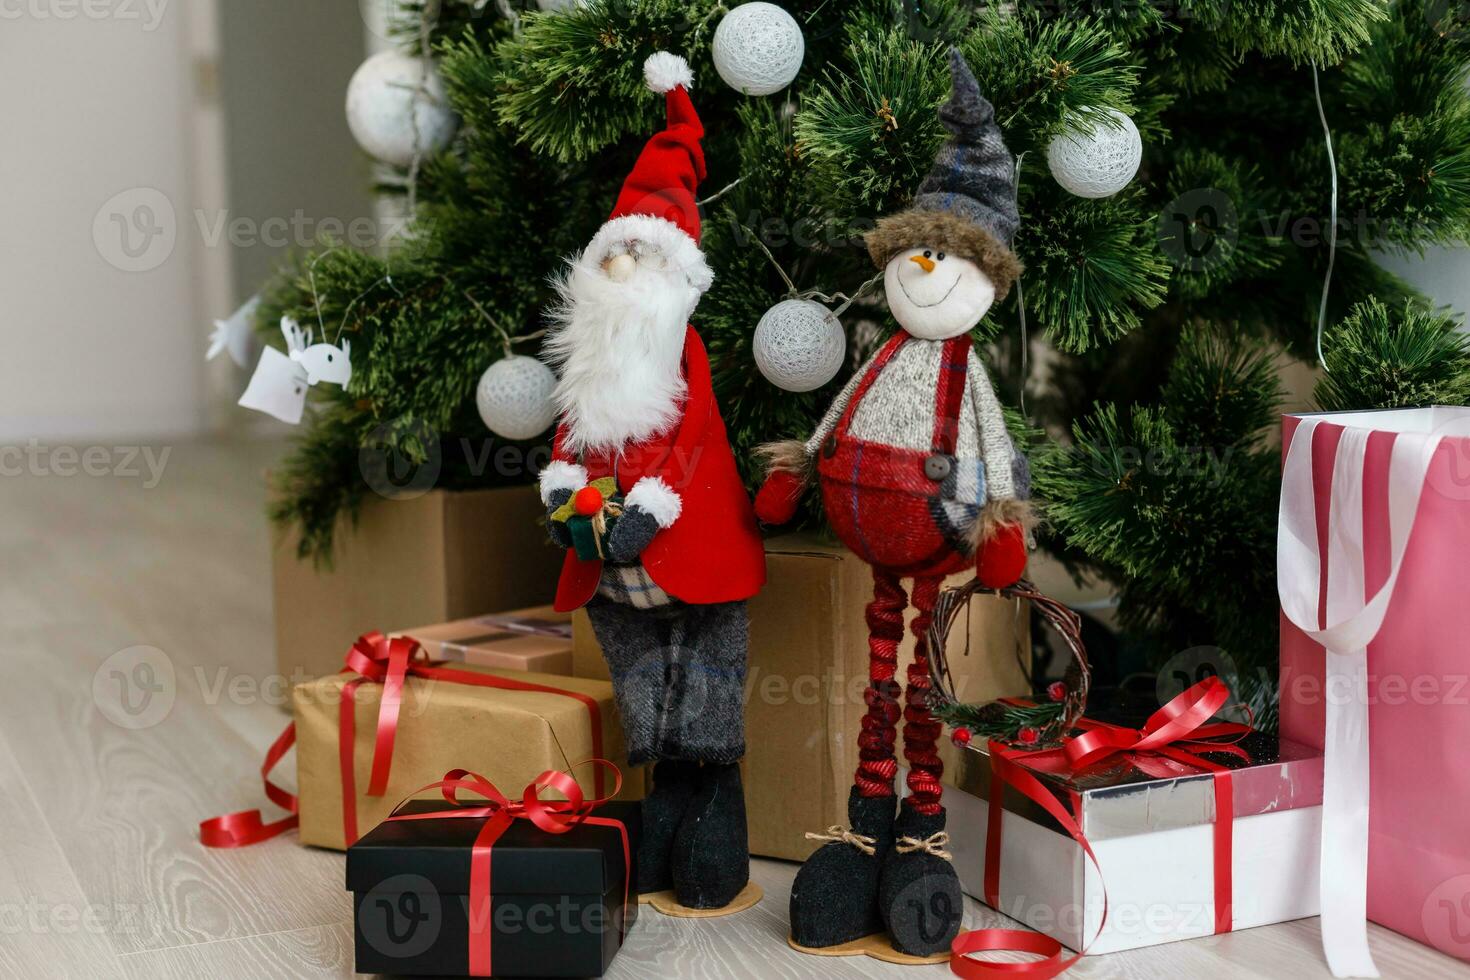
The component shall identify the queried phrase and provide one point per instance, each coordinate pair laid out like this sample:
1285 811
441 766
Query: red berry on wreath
961 736
588 501
1028 736
1057 691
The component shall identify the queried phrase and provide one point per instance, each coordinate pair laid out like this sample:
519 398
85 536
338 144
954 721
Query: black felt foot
834 899
674 785
711 859
919 894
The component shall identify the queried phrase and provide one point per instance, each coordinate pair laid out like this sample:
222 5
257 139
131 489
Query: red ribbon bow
1179 731
375 659
552 816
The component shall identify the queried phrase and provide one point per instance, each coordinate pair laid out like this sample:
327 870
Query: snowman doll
919 478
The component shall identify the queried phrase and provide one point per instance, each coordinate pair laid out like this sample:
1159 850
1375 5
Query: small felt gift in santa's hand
588 516
599 523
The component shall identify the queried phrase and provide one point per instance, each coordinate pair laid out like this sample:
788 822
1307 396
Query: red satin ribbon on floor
552 816
247 827
1176 732
375 659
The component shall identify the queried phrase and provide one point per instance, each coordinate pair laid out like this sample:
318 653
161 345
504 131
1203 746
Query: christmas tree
1280 142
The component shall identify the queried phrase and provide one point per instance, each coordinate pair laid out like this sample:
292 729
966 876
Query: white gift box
1154 841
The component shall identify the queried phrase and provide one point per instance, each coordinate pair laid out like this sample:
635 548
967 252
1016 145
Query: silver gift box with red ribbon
1143 794
1183 849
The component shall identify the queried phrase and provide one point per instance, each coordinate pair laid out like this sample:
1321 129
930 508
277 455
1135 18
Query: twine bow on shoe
841 835
934 844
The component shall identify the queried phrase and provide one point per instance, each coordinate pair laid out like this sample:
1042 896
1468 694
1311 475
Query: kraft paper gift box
808 670
1154 836
538 639
509 735
1372 567
552 905
439 557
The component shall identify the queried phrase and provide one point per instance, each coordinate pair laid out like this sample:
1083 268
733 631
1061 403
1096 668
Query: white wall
95 342
284 69
201 129
1443 274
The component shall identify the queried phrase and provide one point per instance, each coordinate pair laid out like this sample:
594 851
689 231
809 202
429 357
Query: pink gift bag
1373 569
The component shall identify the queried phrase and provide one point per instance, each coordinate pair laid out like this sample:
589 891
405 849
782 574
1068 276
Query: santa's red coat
713 551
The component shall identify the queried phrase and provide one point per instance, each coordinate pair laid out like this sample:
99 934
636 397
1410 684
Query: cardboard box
538 640
508 736
430 559
808 672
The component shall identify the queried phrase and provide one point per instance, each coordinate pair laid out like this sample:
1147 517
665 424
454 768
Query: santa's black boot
711 860
674 784
919 894
834 899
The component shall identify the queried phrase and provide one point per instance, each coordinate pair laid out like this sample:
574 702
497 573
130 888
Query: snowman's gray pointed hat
967 204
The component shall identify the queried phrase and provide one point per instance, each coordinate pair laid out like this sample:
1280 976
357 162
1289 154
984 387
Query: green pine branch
1403 358
572 84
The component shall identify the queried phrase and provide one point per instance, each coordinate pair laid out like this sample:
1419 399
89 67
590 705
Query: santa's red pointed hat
657 202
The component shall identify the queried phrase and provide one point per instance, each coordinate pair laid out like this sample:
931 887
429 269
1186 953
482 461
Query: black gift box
556 899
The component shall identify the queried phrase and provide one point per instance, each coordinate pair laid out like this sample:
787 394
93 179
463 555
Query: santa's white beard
619 347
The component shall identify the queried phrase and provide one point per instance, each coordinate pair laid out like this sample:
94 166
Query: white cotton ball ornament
514 397
799 345
1097 160
560 6
758 48
383 101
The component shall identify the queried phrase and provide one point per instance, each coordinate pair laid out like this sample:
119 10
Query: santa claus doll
664 549
920 478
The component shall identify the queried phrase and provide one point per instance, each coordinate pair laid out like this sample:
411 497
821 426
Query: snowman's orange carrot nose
927 264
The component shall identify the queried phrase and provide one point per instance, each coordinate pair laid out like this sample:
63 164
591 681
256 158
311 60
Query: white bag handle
1353 620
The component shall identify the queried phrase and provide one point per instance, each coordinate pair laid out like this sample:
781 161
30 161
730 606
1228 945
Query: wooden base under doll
879 946
667 902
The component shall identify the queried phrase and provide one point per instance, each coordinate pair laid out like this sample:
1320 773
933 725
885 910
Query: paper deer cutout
323 362
278 387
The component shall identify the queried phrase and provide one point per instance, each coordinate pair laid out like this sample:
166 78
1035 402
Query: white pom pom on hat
665 71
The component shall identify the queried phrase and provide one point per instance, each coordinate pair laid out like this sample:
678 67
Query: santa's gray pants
678 673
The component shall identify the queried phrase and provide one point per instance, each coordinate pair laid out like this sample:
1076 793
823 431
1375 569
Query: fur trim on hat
670 239
917 228
665 71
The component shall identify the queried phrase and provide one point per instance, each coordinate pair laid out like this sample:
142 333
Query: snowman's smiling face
935 296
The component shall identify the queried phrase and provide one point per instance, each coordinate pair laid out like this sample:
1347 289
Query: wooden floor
101 874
